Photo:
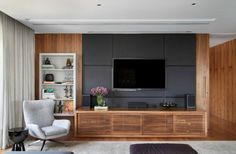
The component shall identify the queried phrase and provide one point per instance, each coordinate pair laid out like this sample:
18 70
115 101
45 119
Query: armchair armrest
36 131
63 124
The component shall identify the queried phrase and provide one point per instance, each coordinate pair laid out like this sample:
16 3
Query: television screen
138 73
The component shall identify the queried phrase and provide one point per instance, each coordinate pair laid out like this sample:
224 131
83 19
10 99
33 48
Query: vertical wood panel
59 43
202 69
223 81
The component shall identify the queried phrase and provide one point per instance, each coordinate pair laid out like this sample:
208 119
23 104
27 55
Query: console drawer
94 124
189 124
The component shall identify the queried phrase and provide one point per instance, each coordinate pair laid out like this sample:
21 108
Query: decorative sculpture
60 106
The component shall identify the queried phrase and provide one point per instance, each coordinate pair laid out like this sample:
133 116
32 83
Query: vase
100 100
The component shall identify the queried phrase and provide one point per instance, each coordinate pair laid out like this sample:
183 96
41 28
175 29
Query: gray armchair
40 121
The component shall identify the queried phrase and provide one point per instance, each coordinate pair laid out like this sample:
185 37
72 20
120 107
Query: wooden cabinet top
139 110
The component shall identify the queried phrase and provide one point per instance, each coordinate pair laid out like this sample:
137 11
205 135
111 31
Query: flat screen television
138 74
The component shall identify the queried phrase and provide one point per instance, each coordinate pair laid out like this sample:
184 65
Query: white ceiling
124 16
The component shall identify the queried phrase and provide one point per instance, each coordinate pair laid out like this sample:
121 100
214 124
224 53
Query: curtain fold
17 73
1 84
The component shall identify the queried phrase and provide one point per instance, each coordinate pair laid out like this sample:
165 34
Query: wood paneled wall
223 81
59 43
202 72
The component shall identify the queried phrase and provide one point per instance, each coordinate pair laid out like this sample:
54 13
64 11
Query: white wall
216 39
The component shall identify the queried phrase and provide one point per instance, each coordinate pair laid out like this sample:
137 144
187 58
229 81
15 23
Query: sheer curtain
16 73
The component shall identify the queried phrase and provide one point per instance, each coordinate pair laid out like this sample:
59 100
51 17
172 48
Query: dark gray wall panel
180 49
94 76
138 46
97 49
180 81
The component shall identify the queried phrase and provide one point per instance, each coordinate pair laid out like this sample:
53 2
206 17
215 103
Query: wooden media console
151 122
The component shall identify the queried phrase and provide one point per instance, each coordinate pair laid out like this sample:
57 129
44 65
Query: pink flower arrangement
102 91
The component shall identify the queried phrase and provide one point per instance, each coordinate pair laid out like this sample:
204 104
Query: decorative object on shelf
68 64
93 101
99 92
68 76
49 77
71 91
168 104
68 106
47 61
50 90
48 93
66 92
100 100
60 107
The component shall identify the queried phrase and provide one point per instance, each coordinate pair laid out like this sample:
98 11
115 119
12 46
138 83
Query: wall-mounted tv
138 74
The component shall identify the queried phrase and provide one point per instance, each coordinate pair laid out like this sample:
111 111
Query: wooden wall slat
223 81
59 43
202 69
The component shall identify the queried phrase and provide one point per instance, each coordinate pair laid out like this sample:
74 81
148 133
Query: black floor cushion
161 149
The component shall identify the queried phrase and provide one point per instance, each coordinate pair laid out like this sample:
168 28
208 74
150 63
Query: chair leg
23 146
14 147
43 145
56 141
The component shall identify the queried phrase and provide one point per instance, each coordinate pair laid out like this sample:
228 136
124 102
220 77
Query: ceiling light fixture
193 4
99 4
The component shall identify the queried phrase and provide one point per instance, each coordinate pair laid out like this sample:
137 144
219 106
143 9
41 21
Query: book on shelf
100 108
48 67
49 96
68 82
49 82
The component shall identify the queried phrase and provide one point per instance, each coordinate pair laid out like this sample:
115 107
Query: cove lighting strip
121 21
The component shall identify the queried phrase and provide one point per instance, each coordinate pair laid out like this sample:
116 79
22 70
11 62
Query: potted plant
99 92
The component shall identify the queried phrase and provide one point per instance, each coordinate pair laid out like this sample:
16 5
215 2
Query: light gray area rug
122 147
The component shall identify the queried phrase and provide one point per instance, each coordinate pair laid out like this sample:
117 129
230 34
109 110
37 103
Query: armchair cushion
63 123
53 130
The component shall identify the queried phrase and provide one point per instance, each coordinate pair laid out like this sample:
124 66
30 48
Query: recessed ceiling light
99 4
193 4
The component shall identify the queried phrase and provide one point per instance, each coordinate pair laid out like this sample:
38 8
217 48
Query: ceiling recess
121 21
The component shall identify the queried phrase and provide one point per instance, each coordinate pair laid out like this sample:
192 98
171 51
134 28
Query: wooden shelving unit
64 78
